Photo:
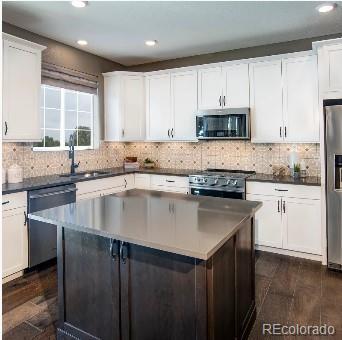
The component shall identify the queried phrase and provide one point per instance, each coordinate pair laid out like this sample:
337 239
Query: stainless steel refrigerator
333 150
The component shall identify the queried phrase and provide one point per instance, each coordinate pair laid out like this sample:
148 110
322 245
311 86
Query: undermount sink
86 174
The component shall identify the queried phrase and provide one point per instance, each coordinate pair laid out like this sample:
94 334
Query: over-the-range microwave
223 124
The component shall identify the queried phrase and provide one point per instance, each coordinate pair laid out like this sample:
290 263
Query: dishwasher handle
53 193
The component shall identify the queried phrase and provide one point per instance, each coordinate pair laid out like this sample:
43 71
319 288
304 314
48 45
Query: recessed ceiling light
79 3
82 42
151 42
326 7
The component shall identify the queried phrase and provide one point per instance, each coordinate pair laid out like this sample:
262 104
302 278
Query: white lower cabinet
268 221
287 222
142 181
14 234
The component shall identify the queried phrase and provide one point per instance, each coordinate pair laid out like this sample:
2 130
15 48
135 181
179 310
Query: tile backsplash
213 154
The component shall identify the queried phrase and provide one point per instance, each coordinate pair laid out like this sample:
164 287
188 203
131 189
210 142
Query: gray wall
251 52
72 58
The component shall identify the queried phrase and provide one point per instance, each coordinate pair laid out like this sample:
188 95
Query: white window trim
62 125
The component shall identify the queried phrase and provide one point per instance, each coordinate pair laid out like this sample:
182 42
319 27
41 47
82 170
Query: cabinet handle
6 128
281 189
172 132
224 100
168 133
123 133
114 249
278 206
123 252
169 181
285 131
25 218
280 132
284 209
220 100
125 183
6 202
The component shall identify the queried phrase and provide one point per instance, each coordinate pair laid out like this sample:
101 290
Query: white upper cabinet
21 89
124 100
235 86
266 101
284 100
330 69
158 106
300 99
184 105
171 106
223 87
210 88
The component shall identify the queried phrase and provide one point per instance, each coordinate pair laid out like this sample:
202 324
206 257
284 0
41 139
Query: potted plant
296 170
148 163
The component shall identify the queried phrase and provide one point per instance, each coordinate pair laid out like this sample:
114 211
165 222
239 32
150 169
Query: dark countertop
310 180
55 180
202 226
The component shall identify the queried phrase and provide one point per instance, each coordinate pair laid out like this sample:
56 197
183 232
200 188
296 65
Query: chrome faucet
72 154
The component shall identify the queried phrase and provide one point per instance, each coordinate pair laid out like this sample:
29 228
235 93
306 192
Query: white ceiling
117 30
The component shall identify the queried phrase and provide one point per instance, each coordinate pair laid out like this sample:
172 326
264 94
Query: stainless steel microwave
223 124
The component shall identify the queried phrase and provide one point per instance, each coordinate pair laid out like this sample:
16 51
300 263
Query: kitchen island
154 265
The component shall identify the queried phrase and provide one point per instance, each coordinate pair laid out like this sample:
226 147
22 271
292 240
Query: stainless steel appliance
43 236
220 183
223 124
333 152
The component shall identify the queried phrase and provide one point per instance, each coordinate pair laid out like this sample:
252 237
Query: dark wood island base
108 289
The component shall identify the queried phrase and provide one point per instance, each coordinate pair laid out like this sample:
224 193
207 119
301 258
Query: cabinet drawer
142 181
284 190
103 184
177 190
169 181
13 201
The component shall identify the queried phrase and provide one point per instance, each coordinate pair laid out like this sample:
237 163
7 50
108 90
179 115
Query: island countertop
195 226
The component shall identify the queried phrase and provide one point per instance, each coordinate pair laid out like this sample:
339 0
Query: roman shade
59 76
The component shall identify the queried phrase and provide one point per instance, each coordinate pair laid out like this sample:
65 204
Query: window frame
61 129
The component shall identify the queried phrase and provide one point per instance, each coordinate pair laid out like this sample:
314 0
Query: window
64 113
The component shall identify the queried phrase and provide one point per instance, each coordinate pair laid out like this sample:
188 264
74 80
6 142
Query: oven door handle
54 193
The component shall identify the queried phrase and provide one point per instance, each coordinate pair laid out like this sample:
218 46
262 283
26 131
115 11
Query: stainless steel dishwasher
43 236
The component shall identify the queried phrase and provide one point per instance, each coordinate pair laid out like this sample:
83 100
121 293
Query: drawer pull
281 189
6 202
169 181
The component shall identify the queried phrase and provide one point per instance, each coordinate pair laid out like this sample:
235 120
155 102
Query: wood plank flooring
288 291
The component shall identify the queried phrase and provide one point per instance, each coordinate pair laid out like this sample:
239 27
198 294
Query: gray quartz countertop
187 225
41 182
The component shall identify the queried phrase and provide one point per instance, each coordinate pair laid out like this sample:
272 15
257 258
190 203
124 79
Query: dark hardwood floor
288 291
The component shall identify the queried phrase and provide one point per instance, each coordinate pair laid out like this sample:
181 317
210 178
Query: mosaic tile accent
202 155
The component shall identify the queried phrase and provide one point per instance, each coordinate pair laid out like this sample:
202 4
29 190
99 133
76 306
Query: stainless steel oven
223 124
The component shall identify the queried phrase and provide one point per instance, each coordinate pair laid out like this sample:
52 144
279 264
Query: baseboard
290 253
12 277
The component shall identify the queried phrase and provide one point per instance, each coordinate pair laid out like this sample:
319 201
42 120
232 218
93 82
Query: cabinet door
210 88
133 107
158 107
159 289
184 105
302 225
300 99
21 92
14 241
331 77
266 102
236 86
90 278
268 221
142 181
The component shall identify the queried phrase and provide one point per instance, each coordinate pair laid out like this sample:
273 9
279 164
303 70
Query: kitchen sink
85 174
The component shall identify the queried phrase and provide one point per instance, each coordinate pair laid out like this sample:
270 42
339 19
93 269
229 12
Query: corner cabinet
171 105
284 100
224 86
21 89
124 101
